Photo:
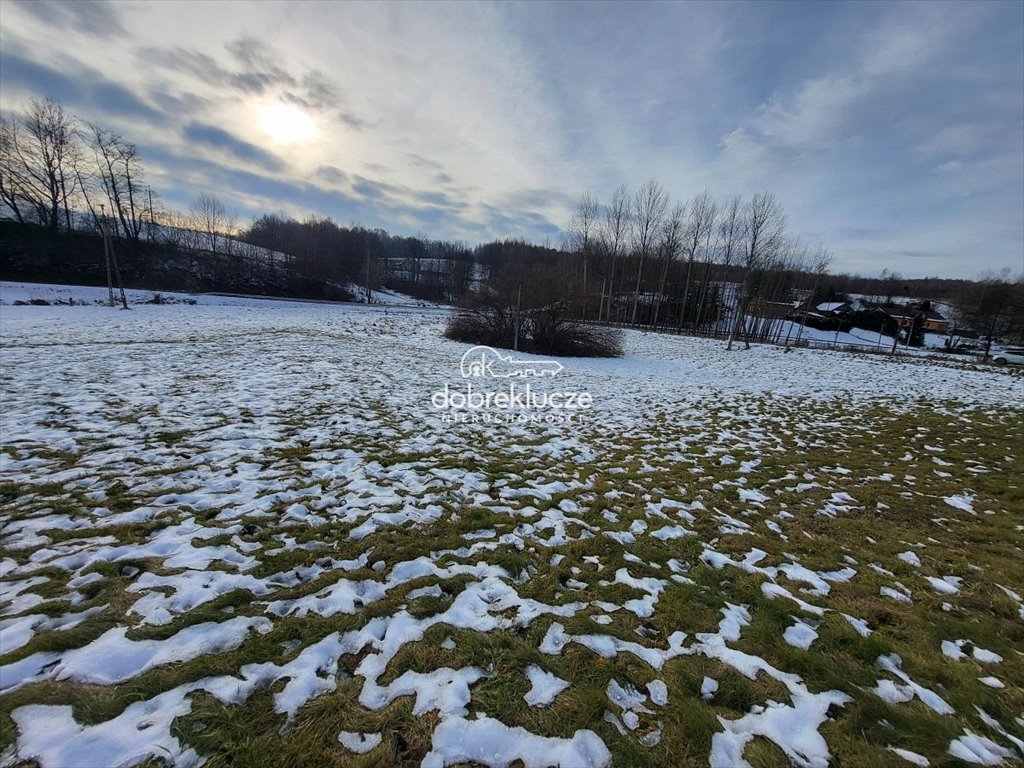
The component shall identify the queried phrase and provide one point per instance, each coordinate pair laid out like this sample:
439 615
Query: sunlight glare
287 123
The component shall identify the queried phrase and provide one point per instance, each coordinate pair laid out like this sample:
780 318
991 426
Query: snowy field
241 533
14 293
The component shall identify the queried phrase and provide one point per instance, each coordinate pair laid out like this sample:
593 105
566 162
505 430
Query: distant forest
699 266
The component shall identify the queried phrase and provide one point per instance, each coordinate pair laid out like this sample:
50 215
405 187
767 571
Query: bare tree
614 234
729 239
711 253
13 192
819 265
668 250
39 147
730 231
212 220
764 229
649 206
699 226
994 307
582 234
119 170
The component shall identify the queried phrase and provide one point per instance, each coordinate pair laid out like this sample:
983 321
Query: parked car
1014 355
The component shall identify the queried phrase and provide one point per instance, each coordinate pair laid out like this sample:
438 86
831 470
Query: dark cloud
423 162
200 65
254 69
218 138
256 74
352 121
260 68
315 91
377 190
441 200
225 181
331 174
537 198
406 200
180 104
917 254
859 231
94 17
374 203
86 89
510 221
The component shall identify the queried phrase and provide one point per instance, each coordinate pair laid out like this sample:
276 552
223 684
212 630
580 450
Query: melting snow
964 502
545 686
910 757
492 743
910 558
980 750
799 635
359 742
206 506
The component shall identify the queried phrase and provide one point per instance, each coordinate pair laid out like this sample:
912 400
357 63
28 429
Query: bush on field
546 326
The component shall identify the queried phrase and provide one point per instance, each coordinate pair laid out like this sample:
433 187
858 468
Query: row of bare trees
426 269
67 174
699 264
733 269
55 168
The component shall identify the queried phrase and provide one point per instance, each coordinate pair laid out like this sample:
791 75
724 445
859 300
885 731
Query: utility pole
519 305
586 292
106 254
369 296
111 258
117 273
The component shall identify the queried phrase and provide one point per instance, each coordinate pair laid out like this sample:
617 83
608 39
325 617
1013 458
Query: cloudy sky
891 132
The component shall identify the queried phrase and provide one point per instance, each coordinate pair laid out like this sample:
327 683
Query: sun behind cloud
287 124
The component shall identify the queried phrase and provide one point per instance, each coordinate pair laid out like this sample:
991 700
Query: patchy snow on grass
859 625
113 658
962 501
980 750
911 757
360 743
708 688
265 488
910 558
945 585
799 635
492 743
895 693
544 686
962 649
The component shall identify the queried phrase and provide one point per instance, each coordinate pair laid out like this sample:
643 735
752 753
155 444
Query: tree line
695 266
64 182
727 268
732 268
702 265
55 168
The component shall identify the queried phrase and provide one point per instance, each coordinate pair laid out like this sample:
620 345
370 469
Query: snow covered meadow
241 533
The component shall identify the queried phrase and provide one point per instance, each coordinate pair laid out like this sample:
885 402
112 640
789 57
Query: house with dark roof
905 315
835 307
